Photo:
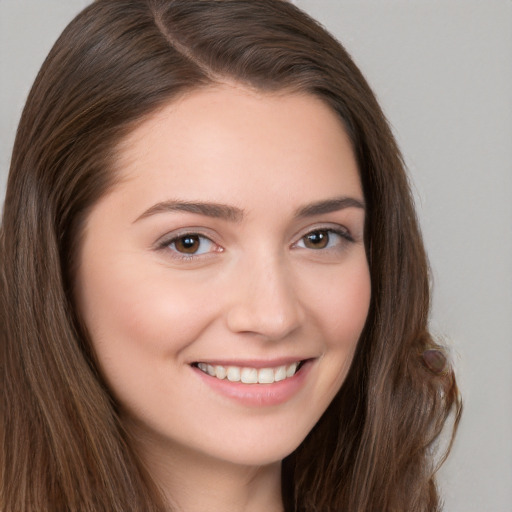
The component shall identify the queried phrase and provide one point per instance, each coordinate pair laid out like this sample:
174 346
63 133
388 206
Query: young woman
214 290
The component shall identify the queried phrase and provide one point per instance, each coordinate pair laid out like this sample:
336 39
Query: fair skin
233 243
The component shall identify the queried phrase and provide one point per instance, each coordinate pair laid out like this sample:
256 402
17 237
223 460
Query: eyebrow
329 206
234 214
215 210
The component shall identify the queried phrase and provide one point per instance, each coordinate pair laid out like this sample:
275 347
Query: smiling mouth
248 375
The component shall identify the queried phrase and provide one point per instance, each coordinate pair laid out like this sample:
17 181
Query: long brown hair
63 444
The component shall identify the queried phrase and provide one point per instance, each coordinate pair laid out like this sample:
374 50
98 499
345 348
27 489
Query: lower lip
258 395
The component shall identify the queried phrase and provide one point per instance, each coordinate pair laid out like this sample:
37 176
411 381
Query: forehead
229 139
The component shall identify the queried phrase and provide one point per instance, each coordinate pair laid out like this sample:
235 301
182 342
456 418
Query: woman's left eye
323 239
191 244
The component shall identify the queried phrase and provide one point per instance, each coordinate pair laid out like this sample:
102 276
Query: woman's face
224 281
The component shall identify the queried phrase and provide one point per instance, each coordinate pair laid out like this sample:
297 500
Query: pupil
188 244
317 240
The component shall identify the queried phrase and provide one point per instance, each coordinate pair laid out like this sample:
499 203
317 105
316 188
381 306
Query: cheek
136 314
344 313
140 324
342 306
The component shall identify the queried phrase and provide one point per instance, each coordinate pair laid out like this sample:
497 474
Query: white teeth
250 375
290 370
220 372
266 376
280 373
233 373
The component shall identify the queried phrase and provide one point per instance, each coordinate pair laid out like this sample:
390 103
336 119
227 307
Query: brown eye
191 244
317 239
188 244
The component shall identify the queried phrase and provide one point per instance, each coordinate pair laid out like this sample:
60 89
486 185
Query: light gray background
442 70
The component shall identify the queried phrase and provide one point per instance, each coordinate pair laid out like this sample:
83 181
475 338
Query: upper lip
253 363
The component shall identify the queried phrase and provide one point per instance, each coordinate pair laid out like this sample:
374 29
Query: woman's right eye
190 245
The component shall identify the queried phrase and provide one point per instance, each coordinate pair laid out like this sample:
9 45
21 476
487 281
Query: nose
264 300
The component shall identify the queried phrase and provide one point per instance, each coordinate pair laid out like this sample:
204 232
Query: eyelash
167 243
343 234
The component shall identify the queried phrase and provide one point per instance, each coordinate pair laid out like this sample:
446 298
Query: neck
194 482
